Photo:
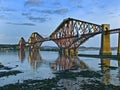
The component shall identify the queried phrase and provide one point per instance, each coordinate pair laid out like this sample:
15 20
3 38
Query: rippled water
43 64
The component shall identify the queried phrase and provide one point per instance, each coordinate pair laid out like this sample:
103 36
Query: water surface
41 65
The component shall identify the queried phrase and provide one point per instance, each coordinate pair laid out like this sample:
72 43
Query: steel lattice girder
35 40
71 30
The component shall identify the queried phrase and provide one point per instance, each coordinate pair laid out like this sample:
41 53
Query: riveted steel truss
72 32
35 40
22 43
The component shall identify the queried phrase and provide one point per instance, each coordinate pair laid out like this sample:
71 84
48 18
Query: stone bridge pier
105 40
118 50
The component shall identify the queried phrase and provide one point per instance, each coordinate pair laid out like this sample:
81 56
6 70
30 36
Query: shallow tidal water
66 72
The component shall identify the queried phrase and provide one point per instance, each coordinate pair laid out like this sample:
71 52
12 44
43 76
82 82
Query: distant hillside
94 48
46 48
8 46
88 48
49 48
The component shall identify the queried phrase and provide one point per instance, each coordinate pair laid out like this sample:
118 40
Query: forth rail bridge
71 33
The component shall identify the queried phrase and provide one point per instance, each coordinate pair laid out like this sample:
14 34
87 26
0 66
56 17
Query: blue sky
20 18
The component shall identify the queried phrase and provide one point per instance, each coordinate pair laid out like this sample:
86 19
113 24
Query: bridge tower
22 43
35 41
105 40
118 50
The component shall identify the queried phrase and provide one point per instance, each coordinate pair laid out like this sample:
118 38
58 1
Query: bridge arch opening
92 43
49 44
49 48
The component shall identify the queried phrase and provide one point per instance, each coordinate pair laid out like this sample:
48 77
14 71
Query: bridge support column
76 52
63 51
118 49
105 40
73 52
66 52
69 52
22 43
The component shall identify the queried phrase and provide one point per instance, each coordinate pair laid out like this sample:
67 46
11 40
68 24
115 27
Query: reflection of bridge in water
34 57
71 33
61 63
68 63
73 63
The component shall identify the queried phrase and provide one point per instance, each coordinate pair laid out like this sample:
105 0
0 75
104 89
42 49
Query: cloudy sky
20 18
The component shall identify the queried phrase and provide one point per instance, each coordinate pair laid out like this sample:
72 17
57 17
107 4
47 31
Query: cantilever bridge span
71 33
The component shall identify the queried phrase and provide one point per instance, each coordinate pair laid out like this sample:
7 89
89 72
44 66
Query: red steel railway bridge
71 33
